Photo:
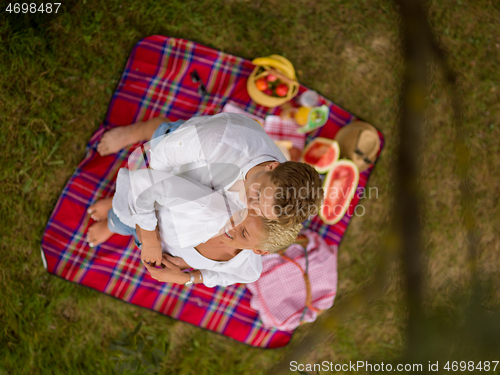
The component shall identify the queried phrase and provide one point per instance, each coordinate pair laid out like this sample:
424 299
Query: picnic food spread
273 83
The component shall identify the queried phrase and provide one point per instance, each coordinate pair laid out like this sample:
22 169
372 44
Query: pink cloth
284 130
280 293
230 107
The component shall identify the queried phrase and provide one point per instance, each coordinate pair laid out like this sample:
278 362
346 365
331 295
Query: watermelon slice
339 186
321 153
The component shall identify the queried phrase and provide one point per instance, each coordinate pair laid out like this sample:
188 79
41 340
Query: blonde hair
278 236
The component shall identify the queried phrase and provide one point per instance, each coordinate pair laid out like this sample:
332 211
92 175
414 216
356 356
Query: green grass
56 83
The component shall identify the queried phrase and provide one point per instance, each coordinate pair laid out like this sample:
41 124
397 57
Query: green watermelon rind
327 141
347 202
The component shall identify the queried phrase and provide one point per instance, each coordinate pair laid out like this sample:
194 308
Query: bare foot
98 233
117 138
99 210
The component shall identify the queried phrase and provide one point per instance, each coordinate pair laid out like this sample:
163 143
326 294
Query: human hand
151 253
169 274
179 262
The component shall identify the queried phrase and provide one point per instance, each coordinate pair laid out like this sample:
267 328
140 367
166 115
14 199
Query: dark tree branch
419 47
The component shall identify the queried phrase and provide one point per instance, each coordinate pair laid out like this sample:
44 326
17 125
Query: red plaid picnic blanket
157 81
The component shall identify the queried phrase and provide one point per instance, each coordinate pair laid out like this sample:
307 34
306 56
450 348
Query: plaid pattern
284 130
156 82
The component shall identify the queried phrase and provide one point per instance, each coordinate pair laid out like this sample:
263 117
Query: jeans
116 226
164 128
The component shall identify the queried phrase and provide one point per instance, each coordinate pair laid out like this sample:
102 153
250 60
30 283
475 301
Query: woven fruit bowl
273 81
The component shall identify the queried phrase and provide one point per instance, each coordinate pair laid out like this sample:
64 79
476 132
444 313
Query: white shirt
184 224
215 150
185 191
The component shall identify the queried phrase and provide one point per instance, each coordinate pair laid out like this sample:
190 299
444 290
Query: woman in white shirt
223 260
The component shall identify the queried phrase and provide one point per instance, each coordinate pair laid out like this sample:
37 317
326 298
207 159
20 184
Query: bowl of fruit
273 81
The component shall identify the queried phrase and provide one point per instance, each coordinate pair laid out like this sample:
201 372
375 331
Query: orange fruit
261 84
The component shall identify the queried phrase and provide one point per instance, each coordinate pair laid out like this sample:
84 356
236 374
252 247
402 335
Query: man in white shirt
231 154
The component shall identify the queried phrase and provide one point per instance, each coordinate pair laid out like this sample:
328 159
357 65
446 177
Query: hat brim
347 137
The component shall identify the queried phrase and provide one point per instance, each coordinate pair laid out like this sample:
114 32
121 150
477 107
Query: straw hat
359 142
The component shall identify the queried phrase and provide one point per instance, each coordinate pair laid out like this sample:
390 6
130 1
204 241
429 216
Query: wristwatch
191 280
